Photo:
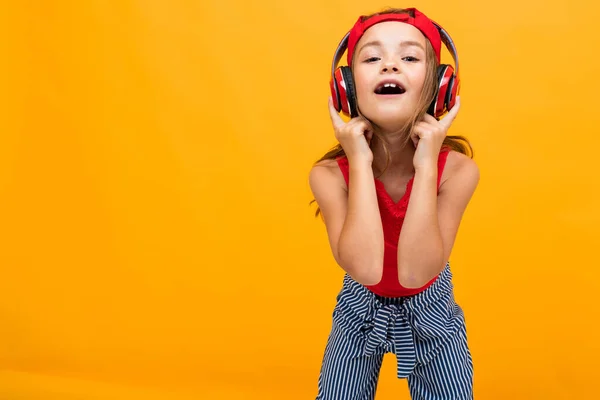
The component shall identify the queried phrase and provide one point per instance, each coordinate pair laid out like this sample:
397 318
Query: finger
449 118
415 140
360 124
422 128
336 120
369 136
430 119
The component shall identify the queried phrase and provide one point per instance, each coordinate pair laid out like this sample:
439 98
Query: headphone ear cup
452 92
450 98
342 90
440 102
337 89
433 107
349 106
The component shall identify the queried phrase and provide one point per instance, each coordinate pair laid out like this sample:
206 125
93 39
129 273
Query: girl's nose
390 66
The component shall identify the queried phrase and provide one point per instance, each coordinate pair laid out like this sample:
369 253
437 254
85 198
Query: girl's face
389 70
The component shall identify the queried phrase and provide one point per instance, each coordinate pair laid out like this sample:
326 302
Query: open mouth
389 88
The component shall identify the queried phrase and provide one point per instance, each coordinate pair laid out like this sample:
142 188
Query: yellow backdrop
156 239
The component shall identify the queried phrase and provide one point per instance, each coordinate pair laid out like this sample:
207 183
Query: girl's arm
352 219
432 220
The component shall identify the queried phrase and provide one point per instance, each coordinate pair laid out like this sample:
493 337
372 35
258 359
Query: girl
395 171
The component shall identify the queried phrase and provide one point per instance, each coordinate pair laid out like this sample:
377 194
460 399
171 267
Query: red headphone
448 82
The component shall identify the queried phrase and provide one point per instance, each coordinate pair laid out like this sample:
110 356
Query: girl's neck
401 156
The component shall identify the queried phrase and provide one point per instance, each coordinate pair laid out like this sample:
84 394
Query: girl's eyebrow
406 43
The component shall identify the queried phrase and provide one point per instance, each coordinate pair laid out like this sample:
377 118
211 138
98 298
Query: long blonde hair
457 143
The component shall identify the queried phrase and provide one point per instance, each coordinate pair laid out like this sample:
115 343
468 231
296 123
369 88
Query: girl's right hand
354 136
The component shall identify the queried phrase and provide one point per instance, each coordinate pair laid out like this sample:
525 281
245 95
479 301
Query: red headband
420 21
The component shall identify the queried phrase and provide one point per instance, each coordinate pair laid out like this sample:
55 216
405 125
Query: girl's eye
408 58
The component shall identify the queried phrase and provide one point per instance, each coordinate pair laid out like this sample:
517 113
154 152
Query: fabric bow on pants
426 332
392 333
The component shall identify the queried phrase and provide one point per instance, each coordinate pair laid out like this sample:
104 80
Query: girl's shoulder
329 167
329 163
326 173
459 165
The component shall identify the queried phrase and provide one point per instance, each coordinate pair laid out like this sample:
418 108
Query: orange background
156 239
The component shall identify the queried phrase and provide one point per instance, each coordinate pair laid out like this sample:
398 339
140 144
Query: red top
392 217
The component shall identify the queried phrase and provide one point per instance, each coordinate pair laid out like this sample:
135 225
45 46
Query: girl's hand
354 136
428 136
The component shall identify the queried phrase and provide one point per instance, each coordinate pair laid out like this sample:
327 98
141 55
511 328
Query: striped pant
426 332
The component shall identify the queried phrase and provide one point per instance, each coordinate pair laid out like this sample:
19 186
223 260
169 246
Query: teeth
390 85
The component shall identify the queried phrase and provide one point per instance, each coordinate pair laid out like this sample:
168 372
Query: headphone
448 82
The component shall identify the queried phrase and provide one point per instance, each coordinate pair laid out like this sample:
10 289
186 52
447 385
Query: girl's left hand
428 136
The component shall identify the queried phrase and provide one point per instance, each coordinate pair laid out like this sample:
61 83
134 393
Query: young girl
392 195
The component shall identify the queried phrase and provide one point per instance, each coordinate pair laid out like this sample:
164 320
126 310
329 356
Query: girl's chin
388 115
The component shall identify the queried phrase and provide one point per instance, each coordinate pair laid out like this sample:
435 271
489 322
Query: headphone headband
449 43
339 52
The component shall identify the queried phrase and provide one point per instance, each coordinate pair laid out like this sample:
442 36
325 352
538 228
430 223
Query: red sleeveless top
392 217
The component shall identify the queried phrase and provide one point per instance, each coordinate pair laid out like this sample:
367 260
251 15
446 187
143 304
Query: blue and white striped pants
426 332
